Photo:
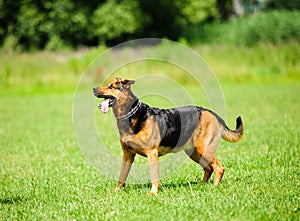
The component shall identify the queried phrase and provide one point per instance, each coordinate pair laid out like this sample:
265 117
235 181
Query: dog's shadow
169 185
13 200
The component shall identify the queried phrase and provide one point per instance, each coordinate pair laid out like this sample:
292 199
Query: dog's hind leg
210 164
218 170
208 159
128 158
196 157
204 154
208 170
210 155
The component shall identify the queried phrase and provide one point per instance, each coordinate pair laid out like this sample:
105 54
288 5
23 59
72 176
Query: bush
269 27
274 27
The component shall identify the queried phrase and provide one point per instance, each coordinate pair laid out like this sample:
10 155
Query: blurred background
61 24
50 43
45 43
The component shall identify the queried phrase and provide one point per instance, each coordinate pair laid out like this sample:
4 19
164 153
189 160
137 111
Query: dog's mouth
106 104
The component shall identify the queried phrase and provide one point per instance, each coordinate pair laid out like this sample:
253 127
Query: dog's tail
234 135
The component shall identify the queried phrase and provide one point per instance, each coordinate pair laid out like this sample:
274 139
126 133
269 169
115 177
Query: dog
153 132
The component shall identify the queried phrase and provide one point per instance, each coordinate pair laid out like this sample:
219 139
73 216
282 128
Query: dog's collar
130 113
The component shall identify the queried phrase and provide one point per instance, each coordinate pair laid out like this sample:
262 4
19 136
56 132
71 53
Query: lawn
45 176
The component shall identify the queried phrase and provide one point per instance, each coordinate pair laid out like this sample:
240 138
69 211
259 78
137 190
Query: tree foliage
55 24
58 24
112 20
195 12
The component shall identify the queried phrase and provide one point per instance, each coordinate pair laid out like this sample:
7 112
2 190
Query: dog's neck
124 109
133 110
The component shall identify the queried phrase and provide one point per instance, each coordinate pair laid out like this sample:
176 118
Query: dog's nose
95 90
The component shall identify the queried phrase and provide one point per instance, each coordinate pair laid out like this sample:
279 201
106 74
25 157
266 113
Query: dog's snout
95 90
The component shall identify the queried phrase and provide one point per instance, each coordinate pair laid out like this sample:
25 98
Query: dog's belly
162 150
141 147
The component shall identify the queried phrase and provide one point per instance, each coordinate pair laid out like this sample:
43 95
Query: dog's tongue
105 106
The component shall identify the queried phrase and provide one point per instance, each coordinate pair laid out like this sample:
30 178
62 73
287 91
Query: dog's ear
127 82
118 79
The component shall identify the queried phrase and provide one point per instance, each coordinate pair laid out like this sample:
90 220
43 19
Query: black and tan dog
153 132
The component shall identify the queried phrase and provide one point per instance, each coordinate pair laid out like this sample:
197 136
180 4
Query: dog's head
117 91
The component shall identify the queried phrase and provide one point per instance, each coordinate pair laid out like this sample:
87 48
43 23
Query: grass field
45 176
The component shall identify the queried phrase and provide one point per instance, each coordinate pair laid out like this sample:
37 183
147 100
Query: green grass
264 62
49 72
45 176
36 73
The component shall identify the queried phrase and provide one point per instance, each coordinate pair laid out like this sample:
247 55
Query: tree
194 12
112 20
56 24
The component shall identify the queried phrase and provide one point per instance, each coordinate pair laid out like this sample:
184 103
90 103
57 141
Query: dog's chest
147 137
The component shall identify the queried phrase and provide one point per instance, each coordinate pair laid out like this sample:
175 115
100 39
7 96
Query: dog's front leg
128 158
154 170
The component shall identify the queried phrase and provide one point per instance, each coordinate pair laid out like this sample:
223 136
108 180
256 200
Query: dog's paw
119 186
154 190
117 189
152 193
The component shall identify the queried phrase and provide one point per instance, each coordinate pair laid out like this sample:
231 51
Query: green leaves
60 24
197 11
65 24
112 20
